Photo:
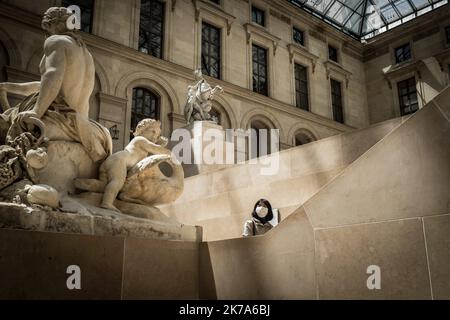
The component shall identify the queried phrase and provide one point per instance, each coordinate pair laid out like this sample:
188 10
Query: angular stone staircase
390 208
220 201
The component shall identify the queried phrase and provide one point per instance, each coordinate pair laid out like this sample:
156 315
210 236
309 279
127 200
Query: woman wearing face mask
261 215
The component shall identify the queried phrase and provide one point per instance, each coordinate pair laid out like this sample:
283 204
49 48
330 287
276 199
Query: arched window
145 105
255 148
4 61
302 138
87 12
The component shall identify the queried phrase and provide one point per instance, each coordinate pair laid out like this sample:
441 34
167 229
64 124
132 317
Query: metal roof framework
364 19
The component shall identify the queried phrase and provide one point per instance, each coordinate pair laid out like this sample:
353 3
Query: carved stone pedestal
201 141
94 221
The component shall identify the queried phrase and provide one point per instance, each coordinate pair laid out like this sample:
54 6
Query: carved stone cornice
295 49
109 99
251 29
17 75
397 71
177 117
28 18
211 8
333 67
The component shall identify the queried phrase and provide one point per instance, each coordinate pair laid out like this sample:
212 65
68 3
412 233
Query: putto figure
199 99
113 171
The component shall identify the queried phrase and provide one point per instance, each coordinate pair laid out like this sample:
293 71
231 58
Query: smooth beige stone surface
278 265
220 201
160 269
343 255
437 233
33 265
441 101
405 175
357 143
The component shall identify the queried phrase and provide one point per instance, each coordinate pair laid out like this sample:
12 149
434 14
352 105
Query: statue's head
198 74
55 19
149 129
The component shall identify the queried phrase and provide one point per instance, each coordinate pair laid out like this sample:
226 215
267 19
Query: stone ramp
390 208
220 201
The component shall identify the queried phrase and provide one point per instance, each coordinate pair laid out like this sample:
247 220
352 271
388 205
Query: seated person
261 215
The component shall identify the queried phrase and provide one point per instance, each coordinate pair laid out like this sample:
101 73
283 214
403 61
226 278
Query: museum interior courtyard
354 96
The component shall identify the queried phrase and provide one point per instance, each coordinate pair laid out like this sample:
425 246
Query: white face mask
261 211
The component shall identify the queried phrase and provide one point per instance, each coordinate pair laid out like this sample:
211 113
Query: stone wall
120 67
34 266
429 63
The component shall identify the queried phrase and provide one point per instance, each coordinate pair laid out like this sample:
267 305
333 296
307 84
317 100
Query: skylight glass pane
440 3
403 7
372 20
419 4
352 3
319 5
424 10
354 23
379 15
389 13
334 9
343 14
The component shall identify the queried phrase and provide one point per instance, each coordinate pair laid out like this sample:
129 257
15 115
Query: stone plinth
202 135
94 222
34 266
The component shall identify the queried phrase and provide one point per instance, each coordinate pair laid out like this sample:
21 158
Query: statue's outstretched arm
154 148
52 78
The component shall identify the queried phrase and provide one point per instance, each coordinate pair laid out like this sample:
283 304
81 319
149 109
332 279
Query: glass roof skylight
364 19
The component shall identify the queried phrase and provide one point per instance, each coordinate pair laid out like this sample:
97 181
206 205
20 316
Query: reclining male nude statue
61 99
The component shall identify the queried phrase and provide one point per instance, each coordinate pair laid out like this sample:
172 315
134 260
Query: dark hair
269 215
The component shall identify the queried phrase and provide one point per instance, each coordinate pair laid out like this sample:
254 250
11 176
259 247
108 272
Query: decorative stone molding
205 6
398 71
333 67
284 146
251 30
177 117
109 99
280 16
295 49
17 75
350 49
317 35
112 108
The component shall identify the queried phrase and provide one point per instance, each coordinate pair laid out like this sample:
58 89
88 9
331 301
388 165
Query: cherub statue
113 171
199 99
